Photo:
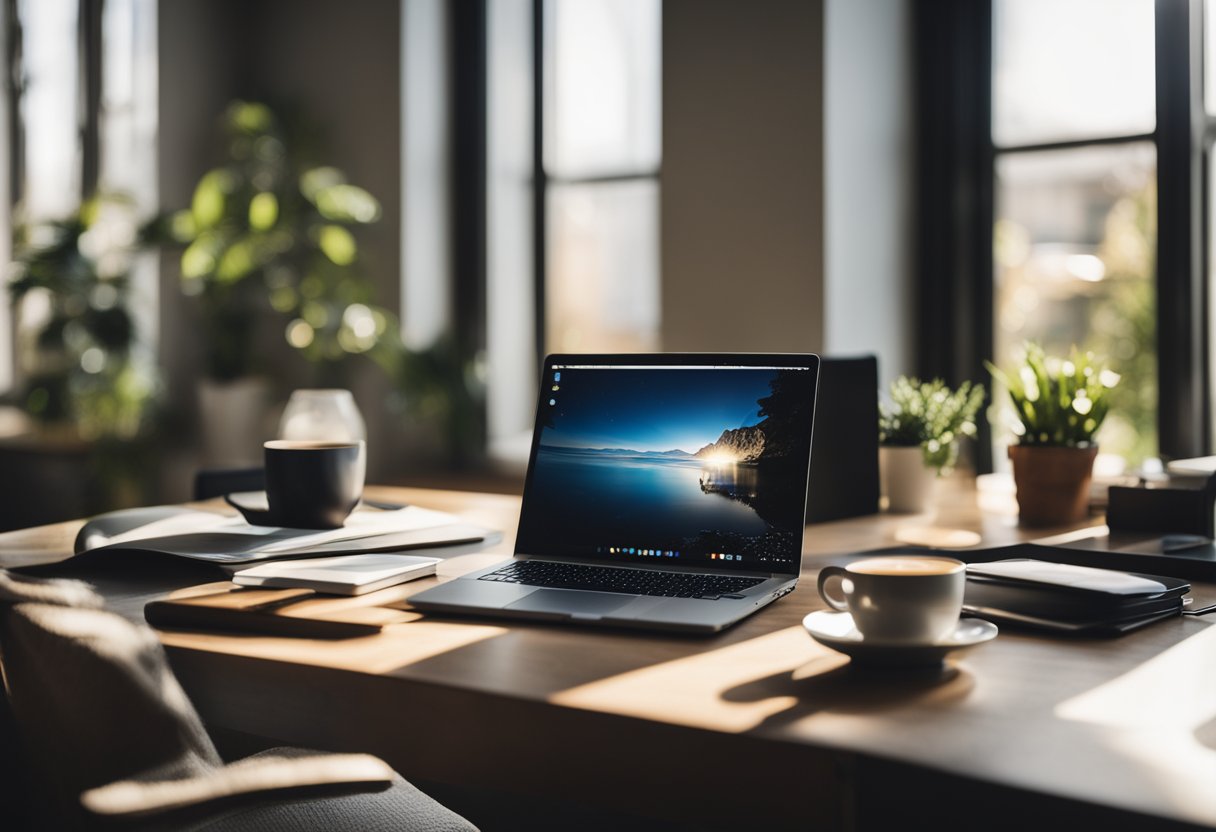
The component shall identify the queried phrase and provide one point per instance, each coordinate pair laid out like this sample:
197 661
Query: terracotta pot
1052 483
909 486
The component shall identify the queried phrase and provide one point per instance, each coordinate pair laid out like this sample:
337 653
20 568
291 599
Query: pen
1201 610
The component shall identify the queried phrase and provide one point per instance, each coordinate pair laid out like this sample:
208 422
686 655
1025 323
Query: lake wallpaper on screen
690 466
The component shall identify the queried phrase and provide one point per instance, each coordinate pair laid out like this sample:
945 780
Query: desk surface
755 725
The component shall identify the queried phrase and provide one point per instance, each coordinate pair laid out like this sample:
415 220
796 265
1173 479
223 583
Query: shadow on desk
831 683
129 580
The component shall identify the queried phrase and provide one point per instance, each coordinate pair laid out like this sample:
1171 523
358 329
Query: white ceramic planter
910 486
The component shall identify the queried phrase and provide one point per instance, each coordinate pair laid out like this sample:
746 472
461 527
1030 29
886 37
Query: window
1073 123
599 178
84 117
572 187
1062 198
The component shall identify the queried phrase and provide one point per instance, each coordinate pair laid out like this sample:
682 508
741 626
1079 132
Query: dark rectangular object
254 611
844 458
1129 553
1170 510
1064 598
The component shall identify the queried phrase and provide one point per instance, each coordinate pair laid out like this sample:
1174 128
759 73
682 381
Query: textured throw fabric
94 703
400 807
14 589
254 775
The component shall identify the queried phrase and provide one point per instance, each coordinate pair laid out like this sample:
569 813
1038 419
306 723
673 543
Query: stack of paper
202 535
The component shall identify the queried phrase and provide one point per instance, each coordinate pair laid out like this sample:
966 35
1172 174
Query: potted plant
268 235
88 383
1059 404
919 433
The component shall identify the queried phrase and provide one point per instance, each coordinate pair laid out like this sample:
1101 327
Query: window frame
541 21
956 173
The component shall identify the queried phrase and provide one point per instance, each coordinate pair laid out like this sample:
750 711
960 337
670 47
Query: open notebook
225 539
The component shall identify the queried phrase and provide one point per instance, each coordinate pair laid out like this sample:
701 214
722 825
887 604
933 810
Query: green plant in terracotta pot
1060 405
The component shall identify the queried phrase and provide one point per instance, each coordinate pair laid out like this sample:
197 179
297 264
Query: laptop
664 492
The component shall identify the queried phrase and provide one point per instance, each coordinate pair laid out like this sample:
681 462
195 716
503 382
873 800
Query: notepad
1067 598
343 575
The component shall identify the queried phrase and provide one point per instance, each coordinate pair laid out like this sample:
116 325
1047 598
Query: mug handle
826 574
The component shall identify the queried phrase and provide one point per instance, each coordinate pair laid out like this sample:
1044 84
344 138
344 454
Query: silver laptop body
685 470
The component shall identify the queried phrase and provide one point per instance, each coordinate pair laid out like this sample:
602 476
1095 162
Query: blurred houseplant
1060 404
268 234
85 376
919 433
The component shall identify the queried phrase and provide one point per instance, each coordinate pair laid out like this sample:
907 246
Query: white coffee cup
905 599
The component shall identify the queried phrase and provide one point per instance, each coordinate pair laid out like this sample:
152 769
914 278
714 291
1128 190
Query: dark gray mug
313 484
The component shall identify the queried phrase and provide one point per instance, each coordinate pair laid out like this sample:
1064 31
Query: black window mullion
469 42
89 46
540 190
955 179
1182 415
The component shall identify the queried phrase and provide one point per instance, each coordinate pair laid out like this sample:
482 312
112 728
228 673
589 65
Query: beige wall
742 190
869 152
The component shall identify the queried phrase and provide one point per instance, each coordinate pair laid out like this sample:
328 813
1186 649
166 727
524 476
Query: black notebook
1153 556
1069 598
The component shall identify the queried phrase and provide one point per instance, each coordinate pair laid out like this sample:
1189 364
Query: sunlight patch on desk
454 567
1075 536
691 690
937 537
1175 689
1157 711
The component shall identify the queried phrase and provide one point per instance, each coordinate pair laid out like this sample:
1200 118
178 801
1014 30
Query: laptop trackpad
579 603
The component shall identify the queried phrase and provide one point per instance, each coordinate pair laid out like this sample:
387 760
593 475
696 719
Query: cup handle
826 574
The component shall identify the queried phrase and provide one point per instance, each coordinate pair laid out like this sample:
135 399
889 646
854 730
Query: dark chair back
216 482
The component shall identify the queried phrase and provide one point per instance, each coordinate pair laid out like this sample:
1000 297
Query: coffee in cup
909 599
313 484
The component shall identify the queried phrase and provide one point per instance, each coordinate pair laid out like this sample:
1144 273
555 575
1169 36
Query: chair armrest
254 776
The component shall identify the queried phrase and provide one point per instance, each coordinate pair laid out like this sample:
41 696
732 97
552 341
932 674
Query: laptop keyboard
628 581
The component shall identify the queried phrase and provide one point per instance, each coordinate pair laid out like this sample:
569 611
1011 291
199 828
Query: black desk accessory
253 611
844 452
216 482
1170 509
1125 552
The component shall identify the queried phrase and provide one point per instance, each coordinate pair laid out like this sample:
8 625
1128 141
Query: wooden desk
758 727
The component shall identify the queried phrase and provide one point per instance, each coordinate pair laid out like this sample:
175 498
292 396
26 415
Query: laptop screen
678 464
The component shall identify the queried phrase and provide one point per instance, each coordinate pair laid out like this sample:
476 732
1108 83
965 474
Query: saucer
837 631
255 508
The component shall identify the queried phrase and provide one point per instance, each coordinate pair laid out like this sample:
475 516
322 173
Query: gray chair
106 734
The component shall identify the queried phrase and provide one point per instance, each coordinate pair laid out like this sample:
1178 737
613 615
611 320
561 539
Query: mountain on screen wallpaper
673 460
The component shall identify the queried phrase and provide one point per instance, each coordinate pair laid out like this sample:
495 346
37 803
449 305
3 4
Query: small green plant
931 415
1059 402
80 360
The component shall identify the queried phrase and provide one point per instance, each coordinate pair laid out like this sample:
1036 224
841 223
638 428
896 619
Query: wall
199 61
742 190
868 158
